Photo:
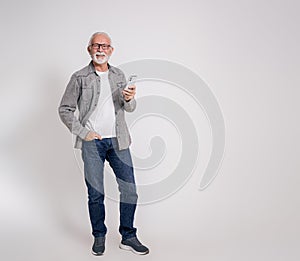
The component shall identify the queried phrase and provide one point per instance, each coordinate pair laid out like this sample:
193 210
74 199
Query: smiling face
100 49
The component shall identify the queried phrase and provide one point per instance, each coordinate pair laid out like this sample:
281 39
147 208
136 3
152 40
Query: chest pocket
87 93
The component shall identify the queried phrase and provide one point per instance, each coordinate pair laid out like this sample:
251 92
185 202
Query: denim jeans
94 154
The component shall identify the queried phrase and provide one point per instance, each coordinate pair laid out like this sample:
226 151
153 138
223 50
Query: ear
112 50
89 49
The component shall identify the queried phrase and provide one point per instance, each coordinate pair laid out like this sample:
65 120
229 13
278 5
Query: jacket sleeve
130 106
68 107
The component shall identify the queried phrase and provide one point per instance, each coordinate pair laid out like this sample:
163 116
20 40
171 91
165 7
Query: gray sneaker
98 246
134 245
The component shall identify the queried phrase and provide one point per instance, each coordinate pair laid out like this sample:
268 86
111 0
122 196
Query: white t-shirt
103 118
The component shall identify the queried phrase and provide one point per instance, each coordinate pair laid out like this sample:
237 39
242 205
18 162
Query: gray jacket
83 92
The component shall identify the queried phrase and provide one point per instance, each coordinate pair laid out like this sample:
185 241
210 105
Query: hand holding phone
131 81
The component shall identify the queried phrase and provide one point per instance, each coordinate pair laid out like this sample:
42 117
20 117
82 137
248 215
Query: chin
101 61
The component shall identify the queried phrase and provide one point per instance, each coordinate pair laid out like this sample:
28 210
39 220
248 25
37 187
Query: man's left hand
129 93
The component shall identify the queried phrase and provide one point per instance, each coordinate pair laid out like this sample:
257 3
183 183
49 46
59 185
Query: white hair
99 33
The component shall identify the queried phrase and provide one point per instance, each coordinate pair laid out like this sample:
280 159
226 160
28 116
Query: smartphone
131 80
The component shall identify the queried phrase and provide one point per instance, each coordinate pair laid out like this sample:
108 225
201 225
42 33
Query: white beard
100 60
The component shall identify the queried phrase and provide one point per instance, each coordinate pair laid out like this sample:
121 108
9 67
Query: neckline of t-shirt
101 73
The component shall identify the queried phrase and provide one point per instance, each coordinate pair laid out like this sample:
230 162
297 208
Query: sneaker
134 245
98 246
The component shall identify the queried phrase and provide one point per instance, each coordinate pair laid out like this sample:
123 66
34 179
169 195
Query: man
98 91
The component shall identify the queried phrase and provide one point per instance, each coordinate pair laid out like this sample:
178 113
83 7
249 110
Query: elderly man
98 91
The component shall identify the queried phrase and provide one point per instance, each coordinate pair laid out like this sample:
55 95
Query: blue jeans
94 154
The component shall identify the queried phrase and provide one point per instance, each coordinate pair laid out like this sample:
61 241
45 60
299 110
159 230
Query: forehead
101 38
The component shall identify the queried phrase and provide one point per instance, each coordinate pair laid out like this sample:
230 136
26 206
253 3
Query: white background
247 52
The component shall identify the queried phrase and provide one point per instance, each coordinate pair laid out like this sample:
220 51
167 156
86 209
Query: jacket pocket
87 93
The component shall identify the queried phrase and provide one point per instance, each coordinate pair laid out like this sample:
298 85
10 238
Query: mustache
100 60
101 53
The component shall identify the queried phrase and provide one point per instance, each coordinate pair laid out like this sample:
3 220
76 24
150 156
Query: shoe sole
129 248
97 254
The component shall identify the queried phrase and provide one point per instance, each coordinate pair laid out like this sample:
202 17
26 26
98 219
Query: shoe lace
99 240
135 241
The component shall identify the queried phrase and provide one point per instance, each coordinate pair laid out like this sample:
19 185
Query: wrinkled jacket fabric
82 93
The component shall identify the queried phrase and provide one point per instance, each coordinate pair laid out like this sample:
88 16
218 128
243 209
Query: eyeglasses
97 46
